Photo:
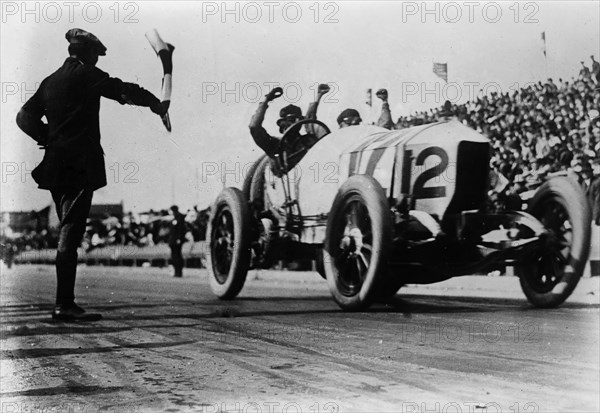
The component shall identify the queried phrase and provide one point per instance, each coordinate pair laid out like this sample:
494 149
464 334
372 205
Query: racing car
377 209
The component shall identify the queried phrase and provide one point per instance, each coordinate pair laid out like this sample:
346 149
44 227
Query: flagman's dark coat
70 100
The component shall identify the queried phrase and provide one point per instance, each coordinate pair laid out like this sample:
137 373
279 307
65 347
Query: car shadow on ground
424 304
190 312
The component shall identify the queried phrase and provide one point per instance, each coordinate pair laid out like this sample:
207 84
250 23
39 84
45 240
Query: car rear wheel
551 274
229 244
357 243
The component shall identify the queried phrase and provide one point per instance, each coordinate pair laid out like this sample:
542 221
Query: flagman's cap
79 36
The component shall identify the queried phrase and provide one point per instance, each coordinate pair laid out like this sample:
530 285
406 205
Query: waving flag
441 70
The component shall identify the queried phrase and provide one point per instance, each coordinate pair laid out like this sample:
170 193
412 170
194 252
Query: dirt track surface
168 344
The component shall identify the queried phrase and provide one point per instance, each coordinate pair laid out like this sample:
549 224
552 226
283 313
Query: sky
229 55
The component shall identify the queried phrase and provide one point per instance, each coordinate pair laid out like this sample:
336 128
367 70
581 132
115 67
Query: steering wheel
294 145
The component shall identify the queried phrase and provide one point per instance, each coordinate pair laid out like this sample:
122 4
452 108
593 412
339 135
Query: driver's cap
290 110
347 113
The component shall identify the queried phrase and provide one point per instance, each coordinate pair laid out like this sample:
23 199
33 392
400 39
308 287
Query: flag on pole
441 70
544 43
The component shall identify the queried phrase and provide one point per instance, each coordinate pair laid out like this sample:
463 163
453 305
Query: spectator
176 240
595 70
584 72
592 187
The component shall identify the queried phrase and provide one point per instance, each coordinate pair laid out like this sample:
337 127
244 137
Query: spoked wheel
551 274
357 243
228 238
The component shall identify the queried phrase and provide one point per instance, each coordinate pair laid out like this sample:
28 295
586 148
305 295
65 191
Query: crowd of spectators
138 229
143 229
538 130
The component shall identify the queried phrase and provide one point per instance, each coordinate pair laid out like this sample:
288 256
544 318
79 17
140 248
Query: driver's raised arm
311 112
266 142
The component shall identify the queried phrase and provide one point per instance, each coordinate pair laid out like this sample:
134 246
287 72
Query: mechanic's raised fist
274 94
323 88
382 94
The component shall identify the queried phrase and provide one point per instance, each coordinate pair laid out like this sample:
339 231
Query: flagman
73 164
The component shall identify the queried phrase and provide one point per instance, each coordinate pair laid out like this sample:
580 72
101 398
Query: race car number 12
420 191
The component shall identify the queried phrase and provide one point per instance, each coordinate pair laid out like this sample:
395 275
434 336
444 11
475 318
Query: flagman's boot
66 309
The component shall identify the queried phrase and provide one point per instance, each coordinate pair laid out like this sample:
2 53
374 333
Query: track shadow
63 329
424 304
31 353
61 391
25 308
286 306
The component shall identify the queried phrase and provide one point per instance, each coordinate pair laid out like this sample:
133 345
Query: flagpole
545 55
446 78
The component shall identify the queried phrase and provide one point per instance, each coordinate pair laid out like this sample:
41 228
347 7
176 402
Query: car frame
393 208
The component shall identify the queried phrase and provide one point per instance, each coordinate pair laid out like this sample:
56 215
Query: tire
256 194
357 243
247 185
549 276
320 263
228 236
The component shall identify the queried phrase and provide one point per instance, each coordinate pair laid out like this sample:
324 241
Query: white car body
420 161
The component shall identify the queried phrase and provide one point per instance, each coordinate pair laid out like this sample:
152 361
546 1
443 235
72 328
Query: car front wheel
357 243
228 239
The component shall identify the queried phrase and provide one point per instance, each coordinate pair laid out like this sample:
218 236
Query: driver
288 116
348 117
351 117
